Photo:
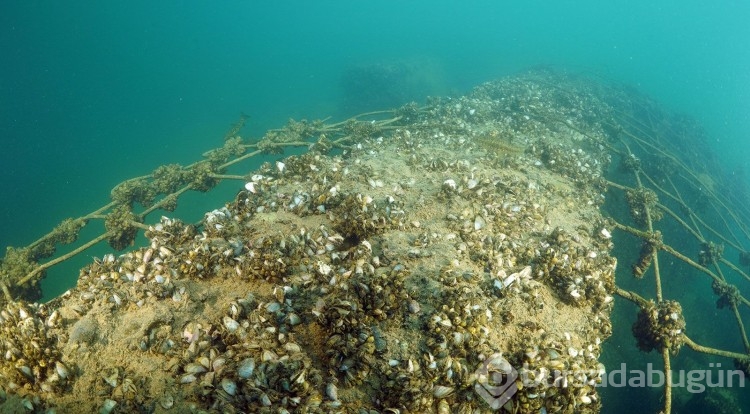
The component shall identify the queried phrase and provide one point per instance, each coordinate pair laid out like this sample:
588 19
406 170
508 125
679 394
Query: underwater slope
452 258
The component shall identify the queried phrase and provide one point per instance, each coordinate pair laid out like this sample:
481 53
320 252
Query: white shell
510 279
367 245
293 319
292 348
525 273
25 371
246 368
264 400
229 386
324 268
61 369
332 392
193 368
496 363
498 284
147 255
108 406
250 187
479 223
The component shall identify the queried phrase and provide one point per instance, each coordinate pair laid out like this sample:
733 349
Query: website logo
496 381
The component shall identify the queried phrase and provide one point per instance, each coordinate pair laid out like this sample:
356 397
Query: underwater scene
375 208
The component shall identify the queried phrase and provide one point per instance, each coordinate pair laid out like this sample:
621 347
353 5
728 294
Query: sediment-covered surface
421 270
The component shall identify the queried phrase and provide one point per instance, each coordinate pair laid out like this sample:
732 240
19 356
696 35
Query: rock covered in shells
383 278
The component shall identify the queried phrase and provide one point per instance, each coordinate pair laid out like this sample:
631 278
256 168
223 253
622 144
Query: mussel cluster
30 358
660 325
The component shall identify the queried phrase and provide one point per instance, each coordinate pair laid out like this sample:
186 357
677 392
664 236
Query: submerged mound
455 261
